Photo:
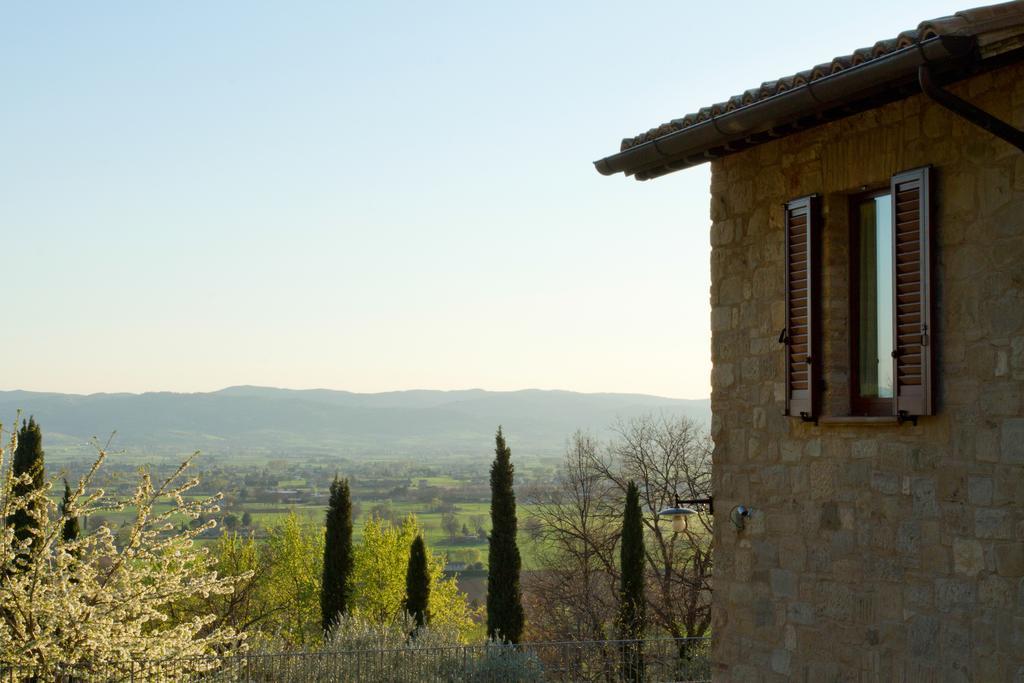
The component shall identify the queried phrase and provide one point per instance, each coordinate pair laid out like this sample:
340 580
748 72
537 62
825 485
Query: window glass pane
875 298
867 325
884 285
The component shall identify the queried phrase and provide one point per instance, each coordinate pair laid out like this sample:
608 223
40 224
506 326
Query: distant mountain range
284 422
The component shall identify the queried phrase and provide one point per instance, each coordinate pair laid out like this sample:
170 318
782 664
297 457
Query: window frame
911 238
861 406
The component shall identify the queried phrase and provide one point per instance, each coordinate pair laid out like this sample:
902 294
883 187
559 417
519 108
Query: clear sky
370 196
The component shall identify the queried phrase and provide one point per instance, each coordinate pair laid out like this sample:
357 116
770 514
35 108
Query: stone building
867 323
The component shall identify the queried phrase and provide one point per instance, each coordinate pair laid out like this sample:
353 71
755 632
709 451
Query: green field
268 489
267 515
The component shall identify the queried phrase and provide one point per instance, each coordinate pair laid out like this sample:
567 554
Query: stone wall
878 553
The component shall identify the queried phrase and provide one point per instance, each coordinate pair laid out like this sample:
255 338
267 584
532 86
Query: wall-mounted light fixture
680 512
738 515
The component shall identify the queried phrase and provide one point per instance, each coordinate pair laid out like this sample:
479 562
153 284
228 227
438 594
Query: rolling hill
300 423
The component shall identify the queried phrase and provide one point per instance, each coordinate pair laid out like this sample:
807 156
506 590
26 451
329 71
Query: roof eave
817 101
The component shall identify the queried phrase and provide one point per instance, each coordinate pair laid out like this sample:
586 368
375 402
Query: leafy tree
450 523
383 511
294 555
631 593
417 583
244 609
442 506
71 530
277 601
247 519
504 600
334 586
379 572
29 476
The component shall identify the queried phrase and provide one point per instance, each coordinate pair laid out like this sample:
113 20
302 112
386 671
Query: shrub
357 649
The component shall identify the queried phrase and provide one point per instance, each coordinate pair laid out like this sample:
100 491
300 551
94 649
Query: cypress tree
70 531
632 612
334 586
28 460
417 583
504 600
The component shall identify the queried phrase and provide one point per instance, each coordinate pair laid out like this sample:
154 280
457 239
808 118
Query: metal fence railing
610 661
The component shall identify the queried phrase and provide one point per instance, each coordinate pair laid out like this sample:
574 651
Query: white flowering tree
101 602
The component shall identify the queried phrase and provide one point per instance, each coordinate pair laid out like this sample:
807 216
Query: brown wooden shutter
800 335
912 293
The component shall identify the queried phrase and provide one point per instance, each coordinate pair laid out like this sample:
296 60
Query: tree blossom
101 602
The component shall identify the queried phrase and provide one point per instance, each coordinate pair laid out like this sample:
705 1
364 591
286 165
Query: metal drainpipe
965 109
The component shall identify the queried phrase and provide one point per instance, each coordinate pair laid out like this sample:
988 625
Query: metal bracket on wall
903 416
966 110
709 501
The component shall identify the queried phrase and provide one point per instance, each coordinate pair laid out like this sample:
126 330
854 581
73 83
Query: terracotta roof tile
959 23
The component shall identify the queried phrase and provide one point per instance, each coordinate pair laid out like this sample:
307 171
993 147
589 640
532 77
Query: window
871 309
890 301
